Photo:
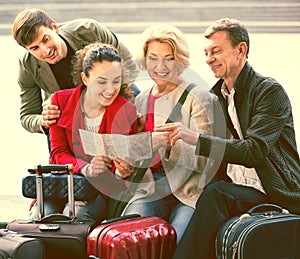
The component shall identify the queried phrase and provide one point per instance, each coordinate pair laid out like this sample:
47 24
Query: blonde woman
176 172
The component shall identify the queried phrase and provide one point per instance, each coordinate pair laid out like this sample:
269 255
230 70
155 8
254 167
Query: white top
239 174
93 124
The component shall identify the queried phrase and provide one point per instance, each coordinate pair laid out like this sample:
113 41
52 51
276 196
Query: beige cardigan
183 168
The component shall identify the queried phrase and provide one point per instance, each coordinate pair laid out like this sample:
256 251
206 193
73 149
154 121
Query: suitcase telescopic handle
39 170
266 207
53 168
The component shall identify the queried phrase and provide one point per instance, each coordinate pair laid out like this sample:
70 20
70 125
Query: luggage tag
49 227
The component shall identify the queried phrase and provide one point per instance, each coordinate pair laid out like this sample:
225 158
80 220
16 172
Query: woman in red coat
99 104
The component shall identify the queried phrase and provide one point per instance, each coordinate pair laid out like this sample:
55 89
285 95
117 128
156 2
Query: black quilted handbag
56 186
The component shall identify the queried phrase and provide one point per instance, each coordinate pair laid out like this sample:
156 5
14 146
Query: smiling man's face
48 46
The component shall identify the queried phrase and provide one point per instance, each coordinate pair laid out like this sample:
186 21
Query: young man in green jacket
46 65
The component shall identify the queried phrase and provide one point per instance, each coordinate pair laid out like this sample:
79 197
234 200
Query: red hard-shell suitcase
132 238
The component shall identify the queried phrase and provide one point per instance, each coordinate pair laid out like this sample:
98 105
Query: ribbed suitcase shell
259 236
134 238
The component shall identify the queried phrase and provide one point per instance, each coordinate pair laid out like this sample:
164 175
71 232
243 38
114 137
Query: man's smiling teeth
215 66
51 54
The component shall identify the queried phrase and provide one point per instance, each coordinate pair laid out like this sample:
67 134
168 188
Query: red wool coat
66 146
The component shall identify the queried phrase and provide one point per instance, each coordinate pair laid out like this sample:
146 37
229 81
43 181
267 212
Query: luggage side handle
268 208
264 209
130 216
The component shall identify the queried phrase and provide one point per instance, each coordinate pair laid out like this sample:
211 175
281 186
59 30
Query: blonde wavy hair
165 33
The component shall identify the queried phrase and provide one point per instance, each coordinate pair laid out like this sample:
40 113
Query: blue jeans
91 211
166 207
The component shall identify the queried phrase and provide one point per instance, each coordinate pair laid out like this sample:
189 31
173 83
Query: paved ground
13 207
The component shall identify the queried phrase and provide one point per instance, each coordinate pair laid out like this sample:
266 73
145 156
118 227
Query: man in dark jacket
258 153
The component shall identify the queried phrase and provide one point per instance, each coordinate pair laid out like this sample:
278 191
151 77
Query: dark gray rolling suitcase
62 237
16 246
265 232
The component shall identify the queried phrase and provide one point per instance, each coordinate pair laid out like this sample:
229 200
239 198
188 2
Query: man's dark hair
236 31
27 24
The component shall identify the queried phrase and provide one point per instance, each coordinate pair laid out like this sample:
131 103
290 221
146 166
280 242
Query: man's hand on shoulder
50 115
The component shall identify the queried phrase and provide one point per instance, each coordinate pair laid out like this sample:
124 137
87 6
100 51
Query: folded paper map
136 147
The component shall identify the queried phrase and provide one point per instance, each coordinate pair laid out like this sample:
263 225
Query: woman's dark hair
85 58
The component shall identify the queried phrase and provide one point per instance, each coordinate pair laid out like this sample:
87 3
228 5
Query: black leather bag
55 185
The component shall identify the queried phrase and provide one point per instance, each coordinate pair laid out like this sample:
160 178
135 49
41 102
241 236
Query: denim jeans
165 205
91 211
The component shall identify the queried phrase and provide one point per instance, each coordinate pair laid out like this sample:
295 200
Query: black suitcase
265 232
62 237
16 246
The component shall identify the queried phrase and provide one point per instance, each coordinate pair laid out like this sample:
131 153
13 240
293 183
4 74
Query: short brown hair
27 23
236 31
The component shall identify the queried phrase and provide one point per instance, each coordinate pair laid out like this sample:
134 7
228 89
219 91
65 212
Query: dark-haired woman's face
104 82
